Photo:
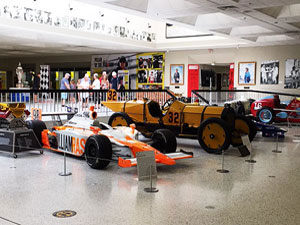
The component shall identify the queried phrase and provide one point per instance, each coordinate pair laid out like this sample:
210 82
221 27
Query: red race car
270 109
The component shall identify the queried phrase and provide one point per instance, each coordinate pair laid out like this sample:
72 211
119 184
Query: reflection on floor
190 192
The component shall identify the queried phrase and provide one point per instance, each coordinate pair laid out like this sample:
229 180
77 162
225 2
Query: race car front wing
168 159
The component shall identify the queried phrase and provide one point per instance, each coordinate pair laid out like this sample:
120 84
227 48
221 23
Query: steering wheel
167 105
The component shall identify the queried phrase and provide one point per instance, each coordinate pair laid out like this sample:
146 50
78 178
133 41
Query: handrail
250 90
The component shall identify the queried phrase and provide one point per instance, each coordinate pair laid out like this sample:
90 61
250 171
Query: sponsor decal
70 144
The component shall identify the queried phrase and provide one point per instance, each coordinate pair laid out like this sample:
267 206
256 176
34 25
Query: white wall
235 55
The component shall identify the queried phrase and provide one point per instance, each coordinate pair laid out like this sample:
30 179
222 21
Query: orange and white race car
83 135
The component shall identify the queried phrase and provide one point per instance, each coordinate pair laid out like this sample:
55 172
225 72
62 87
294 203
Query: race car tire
98 151
164 141
266 115
243 125
37 126
214 135
119 119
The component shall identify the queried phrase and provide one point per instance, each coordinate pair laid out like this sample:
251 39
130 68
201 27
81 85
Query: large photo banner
123 64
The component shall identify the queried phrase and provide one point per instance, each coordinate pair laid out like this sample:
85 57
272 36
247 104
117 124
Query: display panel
150 70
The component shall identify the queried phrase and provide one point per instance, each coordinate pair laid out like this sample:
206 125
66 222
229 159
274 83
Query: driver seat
154 109
276 101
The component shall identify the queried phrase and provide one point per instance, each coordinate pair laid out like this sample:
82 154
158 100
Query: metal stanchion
276 150
223 170
250 160
151 189
65 173
297 131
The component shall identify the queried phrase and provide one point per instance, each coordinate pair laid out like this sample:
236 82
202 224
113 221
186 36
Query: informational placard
145 162
193 78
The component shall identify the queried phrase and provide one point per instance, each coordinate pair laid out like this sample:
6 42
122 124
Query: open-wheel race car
215 127
83 135
270 109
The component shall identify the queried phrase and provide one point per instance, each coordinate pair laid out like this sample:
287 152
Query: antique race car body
99 142
215 127
271 109
241 107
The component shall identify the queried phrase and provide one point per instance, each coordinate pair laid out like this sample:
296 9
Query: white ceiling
220 23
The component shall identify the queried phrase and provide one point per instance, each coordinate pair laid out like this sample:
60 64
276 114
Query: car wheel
37 126
98 151
265 115
164 140
213 135
242 125
120 119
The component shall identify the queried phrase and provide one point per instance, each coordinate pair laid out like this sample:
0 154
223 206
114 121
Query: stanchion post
247 143
151 189
222 170
65 167
276 150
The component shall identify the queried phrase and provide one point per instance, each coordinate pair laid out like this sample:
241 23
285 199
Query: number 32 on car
112 95
173 117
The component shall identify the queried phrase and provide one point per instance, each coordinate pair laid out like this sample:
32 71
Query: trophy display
19 72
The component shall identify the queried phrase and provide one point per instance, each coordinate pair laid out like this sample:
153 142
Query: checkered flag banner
45 79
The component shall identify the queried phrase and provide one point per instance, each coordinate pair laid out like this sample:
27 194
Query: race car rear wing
168 159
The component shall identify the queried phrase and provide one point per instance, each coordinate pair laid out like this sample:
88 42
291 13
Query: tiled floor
191 192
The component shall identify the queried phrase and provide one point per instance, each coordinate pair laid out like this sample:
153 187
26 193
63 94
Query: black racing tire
210 132
98 151
37 126
243 125
120 119
164 141
269 112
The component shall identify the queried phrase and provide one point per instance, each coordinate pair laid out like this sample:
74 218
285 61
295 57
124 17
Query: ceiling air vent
226 7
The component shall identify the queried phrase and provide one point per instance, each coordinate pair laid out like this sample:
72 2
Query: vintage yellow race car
215 127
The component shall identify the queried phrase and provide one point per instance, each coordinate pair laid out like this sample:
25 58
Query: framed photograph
247 73
292 73
269 72
177 74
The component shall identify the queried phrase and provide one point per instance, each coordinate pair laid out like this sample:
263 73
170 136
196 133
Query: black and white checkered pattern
45 78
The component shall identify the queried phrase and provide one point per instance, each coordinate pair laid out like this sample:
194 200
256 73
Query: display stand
151 189
276 149
65 173
222 170
19 96
15 141
247 143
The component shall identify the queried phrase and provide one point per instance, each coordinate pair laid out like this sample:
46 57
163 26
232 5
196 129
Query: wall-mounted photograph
292 73
269 72
177 74
247 73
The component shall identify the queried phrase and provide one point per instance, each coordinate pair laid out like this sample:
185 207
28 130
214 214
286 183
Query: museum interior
149 112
